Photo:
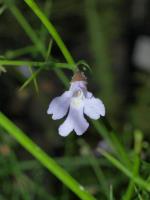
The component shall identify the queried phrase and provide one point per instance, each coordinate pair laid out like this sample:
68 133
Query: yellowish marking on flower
77 99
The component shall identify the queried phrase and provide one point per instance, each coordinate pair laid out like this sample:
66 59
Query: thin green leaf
34 80
38 64
111 196
2 69
33 76
2 9
34 7
21 51
86 66
35 39
49 50
44 159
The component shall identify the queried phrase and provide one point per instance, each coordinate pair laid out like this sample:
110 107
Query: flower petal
80 124
59 105
66 127
94 107
89 95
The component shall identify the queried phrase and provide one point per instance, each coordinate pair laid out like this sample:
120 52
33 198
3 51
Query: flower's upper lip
78 85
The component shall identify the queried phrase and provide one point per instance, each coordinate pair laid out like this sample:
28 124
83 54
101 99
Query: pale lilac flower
74 103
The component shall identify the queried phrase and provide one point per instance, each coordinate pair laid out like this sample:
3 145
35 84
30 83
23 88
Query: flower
76 102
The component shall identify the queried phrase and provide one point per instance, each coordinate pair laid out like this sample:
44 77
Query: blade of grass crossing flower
43 158
136 179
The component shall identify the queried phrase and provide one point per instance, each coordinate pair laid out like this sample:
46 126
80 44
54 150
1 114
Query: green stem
49 64
51 30
35 39
11 54
42 157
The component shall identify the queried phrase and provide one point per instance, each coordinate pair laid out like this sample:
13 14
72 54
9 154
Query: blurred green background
113 37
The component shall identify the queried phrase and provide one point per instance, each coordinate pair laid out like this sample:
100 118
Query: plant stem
35 39
48 64
51 30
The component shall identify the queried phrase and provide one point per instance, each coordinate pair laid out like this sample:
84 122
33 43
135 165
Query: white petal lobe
94 108
80 124
66 127
59 105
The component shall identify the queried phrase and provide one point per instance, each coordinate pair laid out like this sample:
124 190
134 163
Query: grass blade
43 158
34 80
35 39
51 30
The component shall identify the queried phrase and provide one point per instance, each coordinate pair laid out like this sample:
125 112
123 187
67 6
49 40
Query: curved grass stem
43 158
51 30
